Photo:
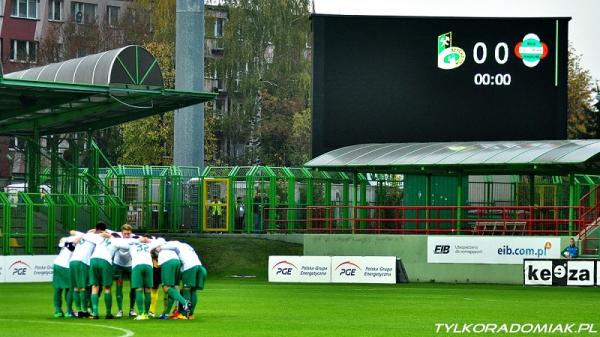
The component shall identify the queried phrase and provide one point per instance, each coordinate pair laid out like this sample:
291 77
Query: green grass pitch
254 307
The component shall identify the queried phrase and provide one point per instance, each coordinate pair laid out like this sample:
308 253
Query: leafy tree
300 137
582 114
158 145
266 70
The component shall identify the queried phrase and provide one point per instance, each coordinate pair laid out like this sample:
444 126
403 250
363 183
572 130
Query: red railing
476 220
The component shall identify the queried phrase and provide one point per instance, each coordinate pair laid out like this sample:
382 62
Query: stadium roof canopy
554 157
88 93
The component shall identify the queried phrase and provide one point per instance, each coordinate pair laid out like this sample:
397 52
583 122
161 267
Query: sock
194 300
108 302
147 301
175 295
57 300
83 299
187 294
154 300
167 303
88 297
139 301
132 298
77 300
69 299
120 297
94 304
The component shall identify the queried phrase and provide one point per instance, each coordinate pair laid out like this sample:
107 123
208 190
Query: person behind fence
216 211
240 211
571 251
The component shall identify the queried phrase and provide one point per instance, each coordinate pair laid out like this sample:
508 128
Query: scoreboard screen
427 79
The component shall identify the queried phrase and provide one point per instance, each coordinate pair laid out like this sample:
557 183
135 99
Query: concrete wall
412 249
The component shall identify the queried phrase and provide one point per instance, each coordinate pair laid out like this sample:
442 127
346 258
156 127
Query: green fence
32 223
244 199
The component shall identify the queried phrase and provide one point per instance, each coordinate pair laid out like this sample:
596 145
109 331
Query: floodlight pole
189 76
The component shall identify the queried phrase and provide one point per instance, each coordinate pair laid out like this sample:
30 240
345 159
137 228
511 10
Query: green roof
93 92
532 157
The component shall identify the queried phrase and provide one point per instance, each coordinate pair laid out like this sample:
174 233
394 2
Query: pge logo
441 249
284 268
347 268
19 268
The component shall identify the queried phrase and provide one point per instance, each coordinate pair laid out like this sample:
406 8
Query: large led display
427 79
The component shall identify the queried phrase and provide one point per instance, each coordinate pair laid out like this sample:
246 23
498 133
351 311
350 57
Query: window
23 51
219 27
24 8
55 10
1 8
83 12
112 15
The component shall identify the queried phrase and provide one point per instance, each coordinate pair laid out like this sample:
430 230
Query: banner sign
490 249
311 269
363 269
2 270
336 269
556 272
26 268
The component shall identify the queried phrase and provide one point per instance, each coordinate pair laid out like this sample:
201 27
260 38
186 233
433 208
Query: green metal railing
253 199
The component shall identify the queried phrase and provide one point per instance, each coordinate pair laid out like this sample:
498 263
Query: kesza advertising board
490 249
556 272
333 269
26 268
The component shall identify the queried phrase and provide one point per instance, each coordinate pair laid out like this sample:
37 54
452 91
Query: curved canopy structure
88 93
131 66
467 157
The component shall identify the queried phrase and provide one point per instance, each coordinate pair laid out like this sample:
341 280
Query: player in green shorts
61 276
101 269
170 277
141 274
122 268
193 275
79 268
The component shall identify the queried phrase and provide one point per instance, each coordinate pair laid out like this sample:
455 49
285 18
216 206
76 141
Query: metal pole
354 198
33 161
571 203
189 60
459 197
427 201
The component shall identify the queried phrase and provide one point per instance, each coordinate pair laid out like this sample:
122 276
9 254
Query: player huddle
88 263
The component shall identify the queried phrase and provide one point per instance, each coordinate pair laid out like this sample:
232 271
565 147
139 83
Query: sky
584 27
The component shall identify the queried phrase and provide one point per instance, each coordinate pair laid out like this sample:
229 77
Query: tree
266 70
582 114
157 145
301 137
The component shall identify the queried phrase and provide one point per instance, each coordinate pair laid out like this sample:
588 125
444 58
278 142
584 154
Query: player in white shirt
122 270
193 272
141 274
61 277
170 269
101 268
79 269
